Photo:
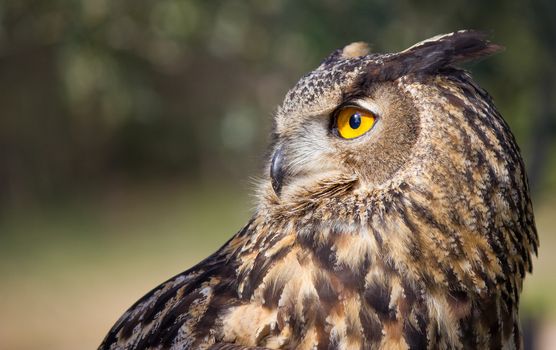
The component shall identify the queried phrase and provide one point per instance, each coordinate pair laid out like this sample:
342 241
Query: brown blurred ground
130 134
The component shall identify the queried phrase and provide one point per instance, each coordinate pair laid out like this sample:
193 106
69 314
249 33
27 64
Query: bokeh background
131 132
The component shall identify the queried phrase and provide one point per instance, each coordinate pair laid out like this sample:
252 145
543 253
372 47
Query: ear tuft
356 49
353 50
431 55
448 49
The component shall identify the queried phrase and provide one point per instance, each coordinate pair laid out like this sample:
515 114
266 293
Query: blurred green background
131 132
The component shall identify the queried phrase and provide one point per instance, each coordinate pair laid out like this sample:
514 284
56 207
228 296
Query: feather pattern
419 237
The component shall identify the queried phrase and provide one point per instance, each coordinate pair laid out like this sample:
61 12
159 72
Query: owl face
357 117
365 137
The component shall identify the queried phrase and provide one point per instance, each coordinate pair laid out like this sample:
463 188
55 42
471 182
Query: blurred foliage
96 91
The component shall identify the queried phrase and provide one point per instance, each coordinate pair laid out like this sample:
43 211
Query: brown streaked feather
416 235
228 346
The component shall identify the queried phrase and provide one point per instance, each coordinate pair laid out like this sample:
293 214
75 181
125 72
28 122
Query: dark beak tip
277 170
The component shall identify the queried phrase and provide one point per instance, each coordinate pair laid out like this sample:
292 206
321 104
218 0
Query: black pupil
355 121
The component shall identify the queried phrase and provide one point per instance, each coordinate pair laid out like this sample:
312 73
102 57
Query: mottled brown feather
416 235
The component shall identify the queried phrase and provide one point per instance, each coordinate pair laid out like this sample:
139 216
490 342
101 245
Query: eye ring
351 121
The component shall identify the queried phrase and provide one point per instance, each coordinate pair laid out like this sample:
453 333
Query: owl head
409 147
360 115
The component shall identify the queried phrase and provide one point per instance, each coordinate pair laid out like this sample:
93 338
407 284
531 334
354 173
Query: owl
395 214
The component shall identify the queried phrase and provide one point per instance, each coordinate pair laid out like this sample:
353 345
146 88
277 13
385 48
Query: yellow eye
352 122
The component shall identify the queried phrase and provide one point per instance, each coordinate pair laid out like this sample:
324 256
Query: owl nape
395 214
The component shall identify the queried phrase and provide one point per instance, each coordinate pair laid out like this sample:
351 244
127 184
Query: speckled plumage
416 235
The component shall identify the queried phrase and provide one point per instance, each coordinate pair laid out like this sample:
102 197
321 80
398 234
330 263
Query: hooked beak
277 170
